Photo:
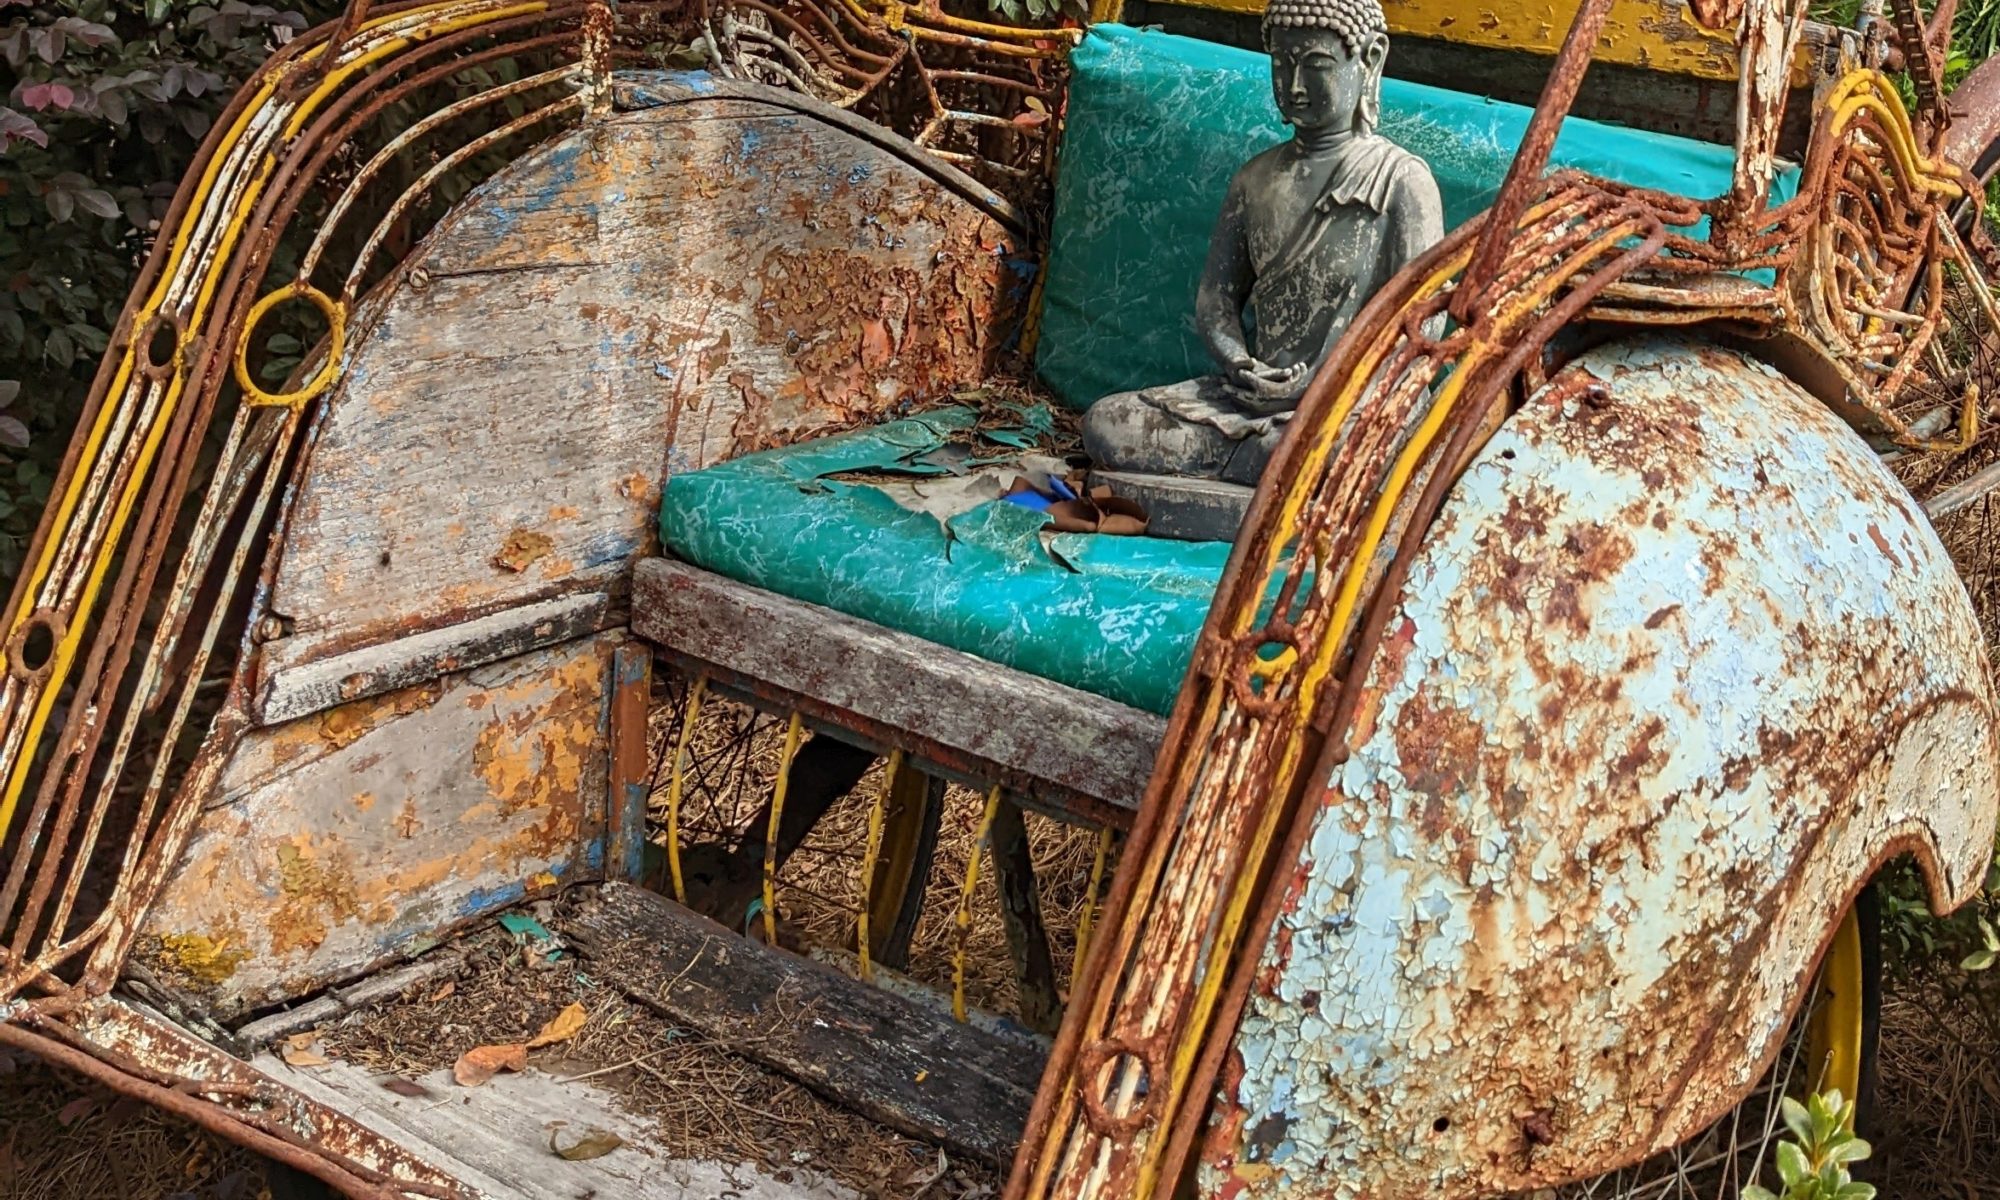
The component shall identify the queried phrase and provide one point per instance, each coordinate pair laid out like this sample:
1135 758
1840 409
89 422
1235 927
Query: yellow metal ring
336 322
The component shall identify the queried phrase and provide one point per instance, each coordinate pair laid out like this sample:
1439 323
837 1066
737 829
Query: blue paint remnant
607 547
593 855
652 88
749 140
860 172
481 901
664 371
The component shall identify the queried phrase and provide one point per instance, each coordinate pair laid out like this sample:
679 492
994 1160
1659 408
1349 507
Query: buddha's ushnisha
1309 229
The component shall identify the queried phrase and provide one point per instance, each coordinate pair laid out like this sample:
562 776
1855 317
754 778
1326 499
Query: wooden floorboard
909 1067
494 1139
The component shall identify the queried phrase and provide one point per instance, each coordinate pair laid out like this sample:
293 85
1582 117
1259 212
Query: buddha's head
1326 62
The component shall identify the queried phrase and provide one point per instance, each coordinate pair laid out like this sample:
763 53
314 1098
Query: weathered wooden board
286 692
903 1064
1067 750
343 840
654 293
495 1138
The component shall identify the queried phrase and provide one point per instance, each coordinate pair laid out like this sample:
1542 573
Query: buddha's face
1317 81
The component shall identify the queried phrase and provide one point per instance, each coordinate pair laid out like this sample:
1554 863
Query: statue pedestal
1182 507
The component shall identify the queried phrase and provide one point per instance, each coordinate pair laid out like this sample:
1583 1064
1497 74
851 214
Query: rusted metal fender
1678 666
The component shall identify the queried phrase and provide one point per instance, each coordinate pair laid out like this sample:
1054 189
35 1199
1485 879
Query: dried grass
1938 1103
65 1138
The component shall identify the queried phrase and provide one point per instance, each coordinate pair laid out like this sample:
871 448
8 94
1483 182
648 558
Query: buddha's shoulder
1407 174
1391 158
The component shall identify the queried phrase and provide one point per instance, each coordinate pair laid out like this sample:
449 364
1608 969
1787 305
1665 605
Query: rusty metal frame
1380 435
977 95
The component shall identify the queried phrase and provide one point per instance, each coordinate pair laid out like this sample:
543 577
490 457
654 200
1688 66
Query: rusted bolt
1596 395
420 279
270 629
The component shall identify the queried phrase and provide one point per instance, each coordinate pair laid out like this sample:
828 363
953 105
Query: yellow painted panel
1657 34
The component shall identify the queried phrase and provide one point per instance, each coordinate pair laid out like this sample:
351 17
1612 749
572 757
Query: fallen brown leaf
482 1063
450 986
561 1028
303 1056
582 1144
303 1041
405 1087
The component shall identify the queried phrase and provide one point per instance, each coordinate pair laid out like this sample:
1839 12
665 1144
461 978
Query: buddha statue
1309 229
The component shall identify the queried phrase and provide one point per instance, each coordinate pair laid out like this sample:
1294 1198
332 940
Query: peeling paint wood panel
1678 664
494 1138
344 840
907 1065
657 292
1079 754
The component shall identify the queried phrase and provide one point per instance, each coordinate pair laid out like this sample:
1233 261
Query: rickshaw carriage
1491 792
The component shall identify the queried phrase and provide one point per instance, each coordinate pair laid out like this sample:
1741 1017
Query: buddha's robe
1312 268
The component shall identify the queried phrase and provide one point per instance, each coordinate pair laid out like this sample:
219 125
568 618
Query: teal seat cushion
1155 127
1118 616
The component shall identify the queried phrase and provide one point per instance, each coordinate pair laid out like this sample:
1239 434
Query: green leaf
1792 1165
1848 1150
1979 960
97 202
1797 1119
1755 1192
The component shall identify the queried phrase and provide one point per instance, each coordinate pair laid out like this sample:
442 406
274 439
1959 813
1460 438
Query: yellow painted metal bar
677 782
1835 1028
1871 91
1657 35
898 17
964 917
869 856
790 752
1088 916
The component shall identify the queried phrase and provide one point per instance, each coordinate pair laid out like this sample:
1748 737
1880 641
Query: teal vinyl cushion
1117 616
1155 127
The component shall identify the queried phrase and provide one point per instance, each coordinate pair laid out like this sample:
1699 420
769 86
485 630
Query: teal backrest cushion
1157 124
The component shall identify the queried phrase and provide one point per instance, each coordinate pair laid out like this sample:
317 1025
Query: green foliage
1040 12
1813 1162
1983 958
109 101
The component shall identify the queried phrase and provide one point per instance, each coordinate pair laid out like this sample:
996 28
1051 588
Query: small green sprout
1979 960
1812 1164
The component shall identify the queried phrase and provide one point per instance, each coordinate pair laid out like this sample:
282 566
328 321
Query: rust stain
522 549
314 892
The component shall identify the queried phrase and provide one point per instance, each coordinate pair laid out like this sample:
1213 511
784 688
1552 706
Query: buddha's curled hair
1355 21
